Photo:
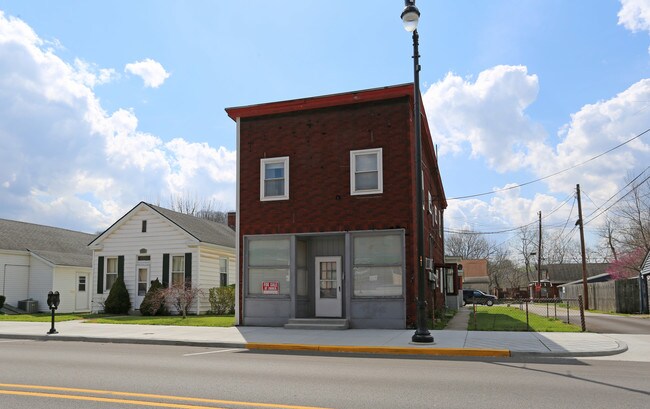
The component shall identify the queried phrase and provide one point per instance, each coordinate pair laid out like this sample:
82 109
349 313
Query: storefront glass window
268 266
378 265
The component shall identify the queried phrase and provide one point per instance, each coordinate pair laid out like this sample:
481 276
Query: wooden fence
620 296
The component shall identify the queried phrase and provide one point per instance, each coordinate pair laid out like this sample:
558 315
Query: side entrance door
81 293
328 287
142 285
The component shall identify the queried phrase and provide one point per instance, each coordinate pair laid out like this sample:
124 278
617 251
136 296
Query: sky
104 104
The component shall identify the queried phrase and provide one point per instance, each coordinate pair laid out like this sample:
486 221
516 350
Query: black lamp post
53 300
410 16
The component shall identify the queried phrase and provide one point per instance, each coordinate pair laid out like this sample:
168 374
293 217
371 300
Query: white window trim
285 162
380 172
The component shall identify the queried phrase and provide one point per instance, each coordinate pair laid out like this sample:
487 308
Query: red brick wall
318 144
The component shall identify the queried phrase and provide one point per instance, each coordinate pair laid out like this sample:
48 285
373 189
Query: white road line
14 340
214 352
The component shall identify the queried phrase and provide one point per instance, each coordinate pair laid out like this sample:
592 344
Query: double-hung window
223 272
111 272
366 173
178 270
274 178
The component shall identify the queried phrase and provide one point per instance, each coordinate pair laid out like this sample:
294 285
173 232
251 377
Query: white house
151 242
36 259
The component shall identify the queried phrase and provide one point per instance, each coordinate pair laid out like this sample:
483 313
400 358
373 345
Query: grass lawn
190 321
512 319
42 317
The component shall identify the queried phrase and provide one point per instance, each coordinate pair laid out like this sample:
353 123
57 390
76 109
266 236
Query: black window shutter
188 270
100 275
120 267
165 270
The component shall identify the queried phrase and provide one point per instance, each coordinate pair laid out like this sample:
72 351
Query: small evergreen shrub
154 301
2 300
118 301
222 300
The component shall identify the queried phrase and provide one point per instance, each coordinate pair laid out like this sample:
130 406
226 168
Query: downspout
237 233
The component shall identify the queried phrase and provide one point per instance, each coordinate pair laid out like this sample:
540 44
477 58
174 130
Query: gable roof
203 230
55 245
564 273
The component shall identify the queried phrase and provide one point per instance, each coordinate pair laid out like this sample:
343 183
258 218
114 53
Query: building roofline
323 101
345 98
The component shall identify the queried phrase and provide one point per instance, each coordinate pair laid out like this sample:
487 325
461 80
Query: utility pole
539 255
585 290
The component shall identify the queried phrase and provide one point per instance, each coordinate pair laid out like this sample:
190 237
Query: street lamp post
410 17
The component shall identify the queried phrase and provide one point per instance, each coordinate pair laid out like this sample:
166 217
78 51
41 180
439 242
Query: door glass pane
328 281
142 281
82 283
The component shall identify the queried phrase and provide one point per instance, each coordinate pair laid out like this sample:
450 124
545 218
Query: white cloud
487 115
486 119
66 162
152 72
635 15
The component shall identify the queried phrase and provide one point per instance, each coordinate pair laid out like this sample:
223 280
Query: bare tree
527 244
468 245
202 208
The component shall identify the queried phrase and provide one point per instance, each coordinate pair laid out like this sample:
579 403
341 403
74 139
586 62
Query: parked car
478 297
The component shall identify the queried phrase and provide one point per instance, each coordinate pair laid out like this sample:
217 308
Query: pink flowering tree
627 265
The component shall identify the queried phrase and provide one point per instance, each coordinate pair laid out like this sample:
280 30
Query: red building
326 218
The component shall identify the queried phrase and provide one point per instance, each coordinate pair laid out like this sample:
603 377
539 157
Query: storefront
358 276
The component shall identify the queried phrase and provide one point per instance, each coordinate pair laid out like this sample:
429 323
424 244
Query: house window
111 271
449 282
178 270
430 203
223 272
144 226
82 284
378 265
144 258
274 180
268 266
366 173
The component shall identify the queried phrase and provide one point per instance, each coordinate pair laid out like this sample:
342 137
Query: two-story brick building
326 208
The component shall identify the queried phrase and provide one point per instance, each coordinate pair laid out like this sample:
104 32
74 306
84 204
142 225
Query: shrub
182 297
2 300
222 300
154 301
118 301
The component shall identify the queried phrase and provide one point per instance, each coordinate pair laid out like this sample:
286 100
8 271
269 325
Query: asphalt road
88 375
616 324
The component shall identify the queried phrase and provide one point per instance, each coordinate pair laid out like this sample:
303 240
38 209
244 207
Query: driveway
617 324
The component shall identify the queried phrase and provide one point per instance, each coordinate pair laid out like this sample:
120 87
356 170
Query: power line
619 199
552 174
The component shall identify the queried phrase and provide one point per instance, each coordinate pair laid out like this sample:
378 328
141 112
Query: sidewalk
353 341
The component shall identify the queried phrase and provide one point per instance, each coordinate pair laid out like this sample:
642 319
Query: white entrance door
328 287
81 295
142 285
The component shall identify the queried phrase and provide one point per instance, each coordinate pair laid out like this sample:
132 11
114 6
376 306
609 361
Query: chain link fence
523 314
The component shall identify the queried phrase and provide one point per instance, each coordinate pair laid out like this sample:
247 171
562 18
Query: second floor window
366 172
274 178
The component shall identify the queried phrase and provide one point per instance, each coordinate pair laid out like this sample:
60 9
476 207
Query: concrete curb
375 350
332 349
622 347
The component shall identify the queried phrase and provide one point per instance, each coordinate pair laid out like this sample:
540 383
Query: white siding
40 282
209 274
127 239
65 282
14 278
